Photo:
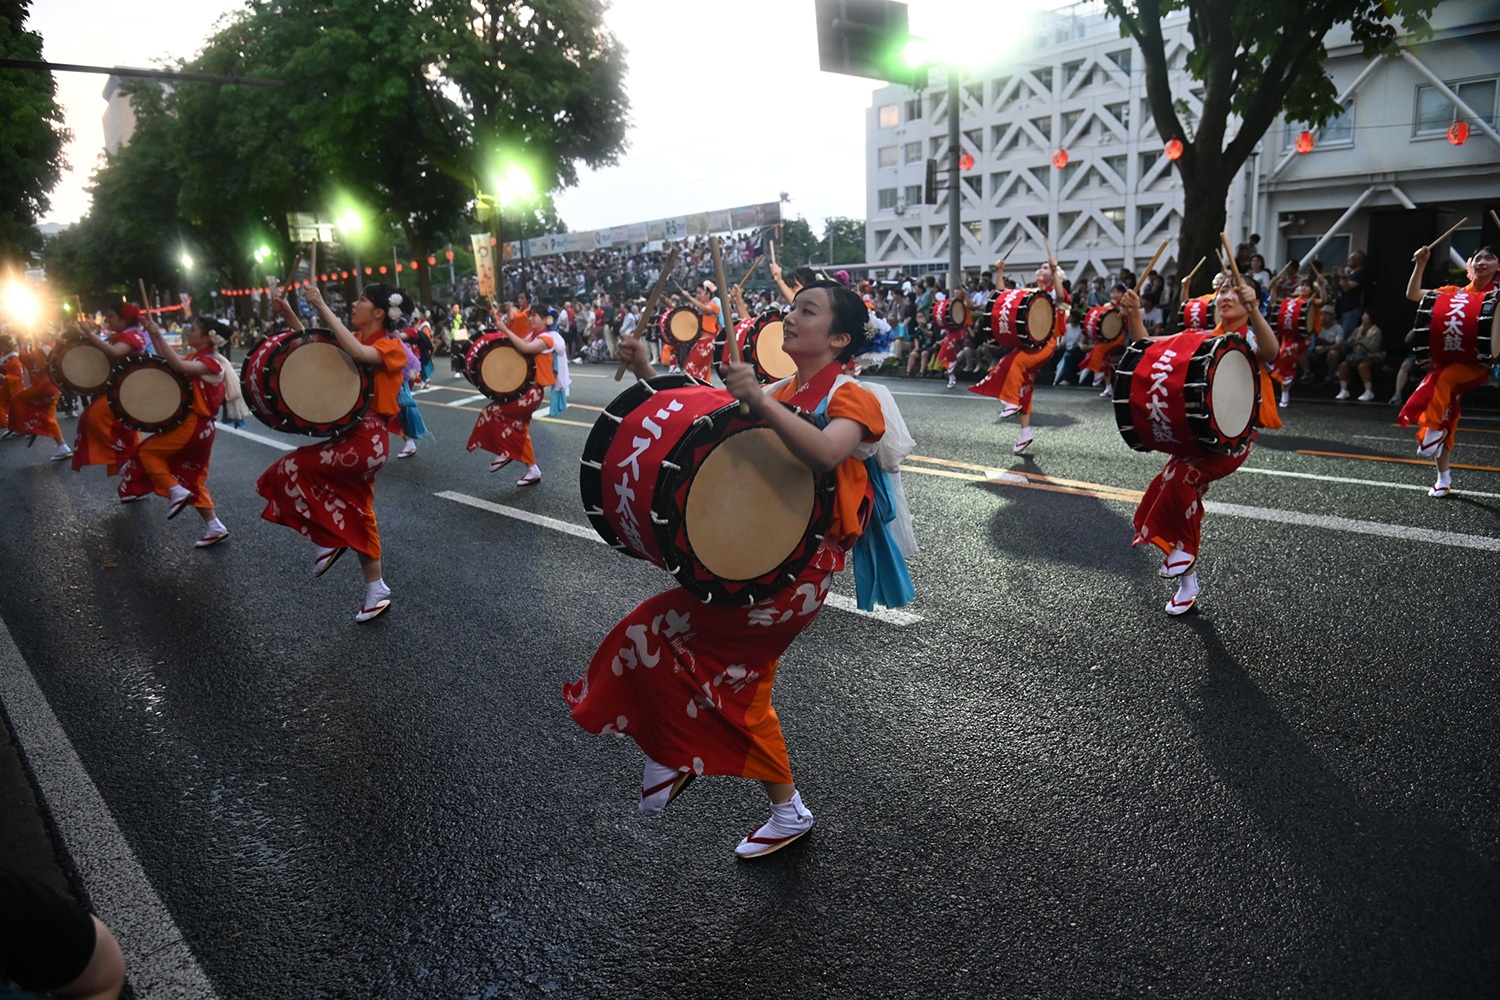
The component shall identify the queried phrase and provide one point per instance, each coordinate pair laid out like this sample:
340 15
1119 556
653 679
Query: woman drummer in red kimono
1434 407
33 409
1013 377
504 429
174 464
704 706
102 439
1170 515
326 490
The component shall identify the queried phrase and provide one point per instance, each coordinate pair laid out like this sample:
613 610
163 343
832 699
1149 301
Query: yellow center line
1400 461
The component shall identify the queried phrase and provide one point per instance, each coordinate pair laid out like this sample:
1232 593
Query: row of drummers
302 382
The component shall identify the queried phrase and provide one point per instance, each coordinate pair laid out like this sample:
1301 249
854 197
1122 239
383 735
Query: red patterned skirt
176 457
1014 376
504 429
33 410
103 440
1171 512
691 682
326 490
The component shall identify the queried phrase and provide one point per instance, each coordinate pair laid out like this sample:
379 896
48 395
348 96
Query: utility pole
955 235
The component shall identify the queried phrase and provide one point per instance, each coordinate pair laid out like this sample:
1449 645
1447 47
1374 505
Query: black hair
804 276
1488 248
849 315
211 326
381 296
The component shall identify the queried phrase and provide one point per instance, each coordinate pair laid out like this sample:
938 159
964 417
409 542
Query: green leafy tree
33 135
846 237
798 245
1255 59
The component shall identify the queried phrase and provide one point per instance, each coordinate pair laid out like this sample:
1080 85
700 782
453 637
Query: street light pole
955 234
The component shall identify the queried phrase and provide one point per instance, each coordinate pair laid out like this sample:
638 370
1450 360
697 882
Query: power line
149 74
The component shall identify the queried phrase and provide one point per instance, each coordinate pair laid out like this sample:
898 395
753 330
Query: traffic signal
863 38
930 184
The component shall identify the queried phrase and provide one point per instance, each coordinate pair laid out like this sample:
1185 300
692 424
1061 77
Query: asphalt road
1042 788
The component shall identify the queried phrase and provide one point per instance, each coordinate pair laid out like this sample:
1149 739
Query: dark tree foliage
31 136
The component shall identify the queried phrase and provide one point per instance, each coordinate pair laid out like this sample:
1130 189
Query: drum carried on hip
760 340
497 369
1103 323
302 382
1021 318
672 473
952 313
147 394
1457 327
78 365
1200 313
1187 394
681 325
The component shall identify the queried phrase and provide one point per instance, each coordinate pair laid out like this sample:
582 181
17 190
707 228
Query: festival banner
484 263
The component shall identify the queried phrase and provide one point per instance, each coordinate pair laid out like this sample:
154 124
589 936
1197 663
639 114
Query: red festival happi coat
691 682
326 491
504 429
33 410
1012 378
102 439
181 455
1435 405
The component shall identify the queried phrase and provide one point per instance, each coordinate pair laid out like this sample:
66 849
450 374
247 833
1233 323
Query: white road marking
1403 532
157 958
900 619
226 429
1408 440
1360 482
462 402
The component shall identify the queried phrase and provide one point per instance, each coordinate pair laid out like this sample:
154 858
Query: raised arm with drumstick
325 491
1458 364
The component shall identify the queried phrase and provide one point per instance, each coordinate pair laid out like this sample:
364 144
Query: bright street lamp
187 262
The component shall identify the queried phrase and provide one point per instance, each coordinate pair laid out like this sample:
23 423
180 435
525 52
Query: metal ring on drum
147 394
1023 318
302 382
1104 323
951 313
761 340
78 365
497 369
711 496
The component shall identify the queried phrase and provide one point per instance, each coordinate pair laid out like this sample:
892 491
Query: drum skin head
503 370
86 366
1111 325
1039 316
150 395
770 356
749 506
683 326
1233 399
319 383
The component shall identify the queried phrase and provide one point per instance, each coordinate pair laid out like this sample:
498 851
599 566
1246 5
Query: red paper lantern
450 254
382 268
1060 159
1458 133
965 161
343 274
415 266
431 261
398 269
1305 142
1174 149
368 271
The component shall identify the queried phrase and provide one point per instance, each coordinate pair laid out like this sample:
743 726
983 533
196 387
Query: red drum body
302 382
1022 318
1200 313
497 369
673 474
1457 327
1104 323
681 325
760 340
147 394
951 314
1188 394
79 366
1294 318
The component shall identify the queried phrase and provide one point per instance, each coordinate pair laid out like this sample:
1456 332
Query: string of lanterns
337 276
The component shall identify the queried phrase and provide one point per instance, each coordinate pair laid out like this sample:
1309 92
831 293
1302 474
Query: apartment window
975 91
976 138
913 151
890 115
1121 59
881 235
975 184
998 86
1044 77
1068 172
1435 112
976 230
913 193
1070 70
1043 125
914 109
1115 216
1143 216
1148 160
1120 112
1117 164
886 156
1069 119
887 198
1337 131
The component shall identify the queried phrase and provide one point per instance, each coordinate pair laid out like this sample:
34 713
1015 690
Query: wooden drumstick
145 302
1014 246
753 265
1229 252
1443 237
773 251
1496 216
1191 274
730 339
651 300
1159 251
312 256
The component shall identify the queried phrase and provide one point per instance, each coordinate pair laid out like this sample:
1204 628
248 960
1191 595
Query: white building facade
1078 87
